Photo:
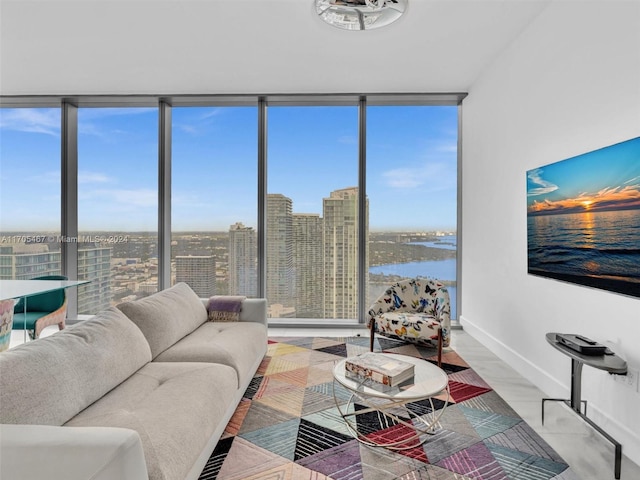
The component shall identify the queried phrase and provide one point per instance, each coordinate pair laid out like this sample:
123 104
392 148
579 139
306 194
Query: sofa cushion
175 407
167 316
52 452
48 381
236 344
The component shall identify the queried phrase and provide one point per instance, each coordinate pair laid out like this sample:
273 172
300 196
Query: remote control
586 340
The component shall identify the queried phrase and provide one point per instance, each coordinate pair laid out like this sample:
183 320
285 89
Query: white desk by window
25 288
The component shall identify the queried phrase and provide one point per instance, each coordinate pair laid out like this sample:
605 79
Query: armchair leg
440 348
371 334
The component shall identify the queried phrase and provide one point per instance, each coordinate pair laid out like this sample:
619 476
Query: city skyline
411 152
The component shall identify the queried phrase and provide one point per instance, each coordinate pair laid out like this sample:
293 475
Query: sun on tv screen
583 219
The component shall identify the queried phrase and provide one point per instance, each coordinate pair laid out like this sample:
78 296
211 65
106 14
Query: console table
609 363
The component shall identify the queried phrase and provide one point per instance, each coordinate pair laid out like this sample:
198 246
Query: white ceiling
247 46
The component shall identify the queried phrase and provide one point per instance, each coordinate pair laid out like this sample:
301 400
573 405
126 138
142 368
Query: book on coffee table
378 368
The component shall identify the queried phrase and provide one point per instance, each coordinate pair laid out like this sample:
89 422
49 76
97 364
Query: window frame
69 163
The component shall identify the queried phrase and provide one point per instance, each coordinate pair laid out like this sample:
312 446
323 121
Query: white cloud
434 176
87 116
118 198
186 200
93 177
448 147
137 198
634 179
535 177
52 177
190 129
201 123
402 178
213 112
33 120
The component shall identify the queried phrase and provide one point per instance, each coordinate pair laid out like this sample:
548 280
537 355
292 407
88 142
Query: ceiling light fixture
360 14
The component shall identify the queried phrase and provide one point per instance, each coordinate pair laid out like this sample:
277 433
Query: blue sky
605 179
411 172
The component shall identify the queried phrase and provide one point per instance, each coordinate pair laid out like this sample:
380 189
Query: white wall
568 85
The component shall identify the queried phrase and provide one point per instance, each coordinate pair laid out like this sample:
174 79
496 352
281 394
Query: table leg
576 384
575 404
416 438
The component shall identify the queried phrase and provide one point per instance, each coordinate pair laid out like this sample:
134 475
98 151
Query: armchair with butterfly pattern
414 310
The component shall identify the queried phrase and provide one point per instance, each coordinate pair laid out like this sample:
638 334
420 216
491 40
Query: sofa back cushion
50 380
167 316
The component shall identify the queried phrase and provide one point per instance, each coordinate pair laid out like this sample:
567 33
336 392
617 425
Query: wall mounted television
583 219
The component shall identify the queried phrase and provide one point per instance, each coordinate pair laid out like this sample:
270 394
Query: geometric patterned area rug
287 426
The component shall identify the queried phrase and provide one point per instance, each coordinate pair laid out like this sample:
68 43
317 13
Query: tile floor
590 455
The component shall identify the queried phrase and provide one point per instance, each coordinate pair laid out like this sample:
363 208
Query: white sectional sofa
141 391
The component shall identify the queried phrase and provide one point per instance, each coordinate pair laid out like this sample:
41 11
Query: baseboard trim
553 387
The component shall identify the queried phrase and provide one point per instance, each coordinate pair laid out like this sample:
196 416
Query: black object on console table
581 351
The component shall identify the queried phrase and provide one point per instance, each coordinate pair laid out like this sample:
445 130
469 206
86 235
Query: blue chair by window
44 309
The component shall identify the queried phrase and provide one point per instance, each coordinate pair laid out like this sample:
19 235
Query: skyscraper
308 265
340 213
21 261
94 263
199 272
280 279
243 273
26 261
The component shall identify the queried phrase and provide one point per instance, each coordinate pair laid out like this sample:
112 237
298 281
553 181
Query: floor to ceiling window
321 224
412 176
29 192
312 212
214 199
117 205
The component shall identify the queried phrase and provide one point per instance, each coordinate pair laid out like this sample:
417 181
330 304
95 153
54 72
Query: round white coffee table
428 382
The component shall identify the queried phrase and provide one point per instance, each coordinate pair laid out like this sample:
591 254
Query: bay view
442 269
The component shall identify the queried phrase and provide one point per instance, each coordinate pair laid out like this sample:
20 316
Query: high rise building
308 265
199 272
94 263
27 261
21 261
280 279
340 213
243 272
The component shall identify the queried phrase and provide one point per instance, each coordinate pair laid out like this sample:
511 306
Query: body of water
444 270
600 249
448 242
440 269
